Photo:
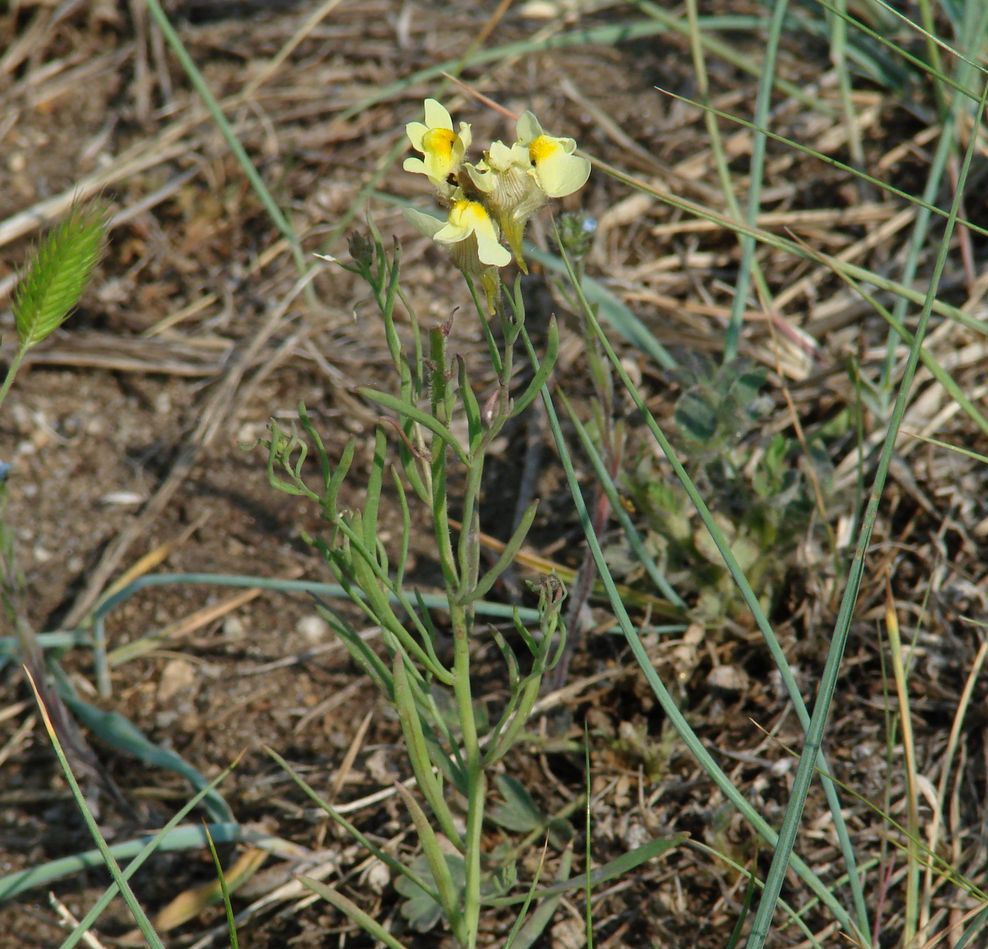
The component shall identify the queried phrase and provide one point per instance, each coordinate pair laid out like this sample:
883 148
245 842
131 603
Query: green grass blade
352 911
588 837
747 593
120 733
763 100
669 706
229 136
793 247
612 310
934 182
612 870
717 149
524 932
942 376
231 923
828 680
954 448
826 159
388 859
931 37
730 54
754 883
189 837
635 542
86 923
978 926
607 35
920 65
136 910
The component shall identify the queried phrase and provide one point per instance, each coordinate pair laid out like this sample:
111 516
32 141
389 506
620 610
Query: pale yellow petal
436 116
415 131
527 128
481 176
561 174
424 223
490 251
451 233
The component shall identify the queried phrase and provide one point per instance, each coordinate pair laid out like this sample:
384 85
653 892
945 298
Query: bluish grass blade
136 910
828 681
763 100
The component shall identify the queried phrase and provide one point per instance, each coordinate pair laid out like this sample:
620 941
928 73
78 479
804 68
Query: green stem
468 548
460 621
15 365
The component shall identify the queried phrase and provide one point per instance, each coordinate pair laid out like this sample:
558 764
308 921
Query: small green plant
453 743
762 497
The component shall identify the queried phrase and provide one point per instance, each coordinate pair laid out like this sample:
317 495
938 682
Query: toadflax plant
453 743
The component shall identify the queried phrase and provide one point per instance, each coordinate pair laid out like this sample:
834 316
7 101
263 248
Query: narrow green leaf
783 856
418 752
231 924
507 556
136 910
408 410
374 483
120 733
352 911
954 448
543 372
471 407
403 870
525 936
445 887
609 871
168 840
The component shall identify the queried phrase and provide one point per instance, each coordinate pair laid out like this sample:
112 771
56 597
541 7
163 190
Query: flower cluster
494 198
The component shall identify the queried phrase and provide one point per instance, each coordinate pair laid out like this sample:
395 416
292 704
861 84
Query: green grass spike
58 274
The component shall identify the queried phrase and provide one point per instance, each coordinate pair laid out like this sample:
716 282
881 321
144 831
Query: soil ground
127 431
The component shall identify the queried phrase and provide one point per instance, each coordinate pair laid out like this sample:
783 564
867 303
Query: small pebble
314 629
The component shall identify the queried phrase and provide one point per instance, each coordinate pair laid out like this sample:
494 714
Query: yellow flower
558 171
500 168
472 238
469 219
441 146
506 179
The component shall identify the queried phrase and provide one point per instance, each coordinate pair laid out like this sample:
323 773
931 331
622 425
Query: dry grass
124 438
